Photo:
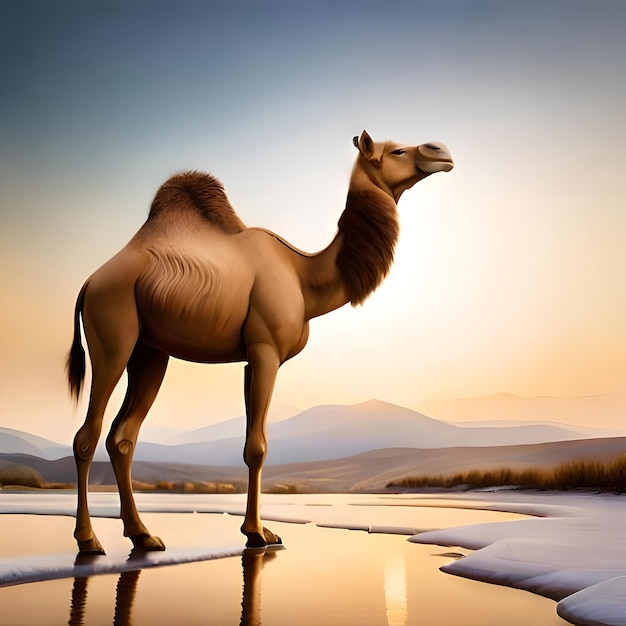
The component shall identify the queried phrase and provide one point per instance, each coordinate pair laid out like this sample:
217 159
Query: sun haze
509 271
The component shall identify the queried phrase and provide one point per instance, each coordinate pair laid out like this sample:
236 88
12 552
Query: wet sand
324 576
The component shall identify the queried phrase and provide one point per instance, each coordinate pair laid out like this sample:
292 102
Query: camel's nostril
433 146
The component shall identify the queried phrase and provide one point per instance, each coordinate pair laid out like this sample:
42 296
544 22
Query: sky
509 272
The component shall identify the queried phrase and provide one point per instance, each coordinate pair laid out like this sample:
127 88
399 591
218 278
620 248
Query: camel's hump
199 192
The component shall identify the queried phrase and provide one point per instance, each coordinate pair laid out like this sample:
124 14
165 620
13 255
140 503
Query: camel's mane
369 228
200 192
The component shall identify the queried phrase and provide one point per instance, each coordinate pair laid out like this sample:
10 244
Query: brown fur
198 191
370 230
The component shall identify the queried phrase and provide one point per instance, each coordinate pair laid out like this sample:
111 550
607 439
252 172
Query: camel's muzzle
433 157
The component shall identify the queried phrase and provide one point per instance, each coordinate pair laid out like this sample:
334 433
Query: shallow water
325 575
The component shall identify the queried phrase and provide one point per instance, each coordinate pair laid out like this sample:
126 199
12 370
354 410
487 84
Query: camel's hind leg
106 374
146 369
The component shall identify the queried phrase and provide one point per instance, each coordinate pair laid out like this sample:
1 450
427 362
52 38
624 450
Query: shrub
196 487
21 475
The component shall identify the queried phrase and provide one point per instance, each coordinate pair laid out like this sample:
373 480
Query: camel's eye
398 152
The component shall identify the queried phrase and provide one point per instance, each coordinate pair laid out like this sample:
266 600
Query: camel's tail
75 366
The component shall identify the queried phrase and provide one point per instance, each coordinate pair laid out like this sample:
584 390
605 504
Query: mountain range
325 433
369 471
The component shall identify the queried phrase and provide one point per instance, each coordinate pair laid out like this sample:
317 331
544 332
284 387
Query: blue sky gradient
509 273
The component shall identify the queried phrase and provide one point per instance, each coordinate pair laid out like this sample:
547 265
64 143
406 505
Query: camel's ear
365 144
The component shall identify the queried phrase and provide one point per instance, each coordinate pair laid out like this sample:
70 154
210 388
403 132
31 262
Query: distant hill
368 471
373 470
230 428
214 432
337 431
323 433
24 443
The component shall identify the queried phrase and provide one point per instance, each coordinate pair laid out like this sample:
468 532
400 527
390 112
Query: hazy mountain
227 429
233 427
24 443
322 433
588 431
606 411
336 431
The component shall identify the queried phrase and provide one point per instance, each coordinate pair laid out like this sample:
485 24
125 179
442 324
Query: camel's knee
254 452
85 442
118 447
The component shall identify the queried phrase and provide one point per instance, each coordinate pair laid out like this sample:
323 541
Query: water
326 575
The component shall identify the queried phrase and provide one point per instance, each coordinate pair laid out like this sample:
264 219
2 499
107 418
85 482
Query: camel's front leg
260 374
106 373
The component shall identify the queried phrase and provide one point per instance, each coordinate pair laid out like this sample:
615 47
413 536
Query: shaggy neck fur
369 230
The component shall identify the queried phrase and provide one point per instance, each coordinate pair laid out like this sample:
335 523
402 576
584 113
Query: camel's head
394 168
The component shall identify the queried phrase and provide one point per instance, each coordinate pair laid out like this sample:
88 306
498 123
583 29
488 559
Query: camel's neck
369 226
359 257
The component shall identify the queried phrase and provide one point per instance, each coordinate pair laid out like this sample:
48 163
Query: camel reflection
79 601
124 597
252 562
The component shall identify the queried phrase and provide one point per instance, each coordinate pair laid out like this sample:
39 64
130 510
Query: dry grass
285 489
192 487
580 474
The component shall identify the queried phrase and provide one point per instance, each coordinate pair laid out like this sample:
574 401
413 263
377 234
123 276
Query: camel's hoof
147 543
90 547
258 540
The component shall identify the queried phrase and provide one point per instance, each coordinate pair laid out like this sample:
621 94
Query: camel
196 284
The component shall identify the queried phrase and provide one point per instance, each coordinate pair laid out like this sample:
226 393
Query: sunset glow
509 273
